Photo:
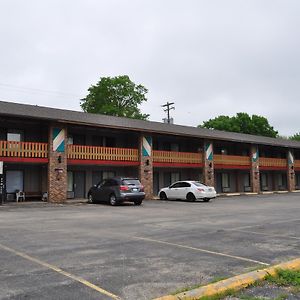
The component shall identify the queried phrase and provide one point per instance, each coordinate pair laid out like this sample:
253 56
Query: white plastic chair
20 196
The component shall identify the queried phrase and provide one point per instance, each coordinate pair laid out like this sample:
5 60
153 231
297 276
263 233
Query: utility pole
168 108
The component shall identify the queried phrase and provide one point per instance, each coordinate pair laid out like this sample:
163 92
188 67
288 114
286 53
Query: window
170 178
176 185
264 180
246 180
97 140
109 141
298 181
199 184
225 180
174 147
108 174
280 180
96 177
185 184
110 182
131 182
70 140
78 139
70 181
245 153
104 183
175 176
15 135
224 151
14 181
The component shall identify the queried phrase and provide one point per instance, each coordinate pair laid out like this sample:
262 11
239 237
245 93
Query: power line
36 90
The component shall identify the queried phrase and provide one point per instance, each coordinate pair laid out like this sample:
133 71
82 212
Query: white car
188 190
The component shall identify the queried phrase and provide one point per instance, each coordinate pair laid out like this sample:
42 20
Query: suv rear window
131 182
110 182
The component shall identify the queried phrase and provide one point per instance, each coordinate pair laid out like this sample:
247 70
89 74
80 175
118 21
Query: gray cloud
209 57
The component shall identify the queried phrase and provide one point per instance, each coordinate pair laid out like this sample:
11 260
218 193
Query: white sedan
188 190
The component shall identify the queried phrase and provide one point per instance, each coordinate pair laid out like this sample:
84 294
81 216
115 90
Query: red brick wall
254 172
146 171
208 169
291 178
57 181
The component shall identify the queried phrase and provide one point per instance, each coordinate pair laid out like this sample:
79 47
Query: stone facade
57 167
208 164
291 178
146 165
254 172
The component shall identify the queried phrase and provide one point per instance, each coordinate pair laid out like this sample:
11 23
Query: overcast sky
209 57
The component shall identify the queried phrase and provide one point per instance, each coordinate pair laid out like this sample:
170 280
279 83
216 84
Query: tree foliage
242 123
295 137
115 96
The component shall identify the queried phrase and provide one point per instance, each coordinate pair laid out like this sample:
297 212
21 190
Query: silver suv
117 190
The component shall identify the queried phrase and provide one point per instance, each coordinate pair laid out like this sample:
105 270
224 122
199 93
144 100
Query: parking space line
264 224
60 271
266 234
201 250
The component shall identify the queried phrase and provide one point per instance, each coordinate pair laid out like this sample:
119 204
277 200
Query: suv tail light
142 188
124 188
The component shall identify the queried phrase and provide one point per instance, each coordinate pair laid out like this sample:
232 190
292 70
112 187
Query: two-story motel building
63 153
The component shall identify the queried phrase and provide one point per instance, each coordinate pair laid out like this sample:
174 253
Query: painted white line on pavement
60 271
201 250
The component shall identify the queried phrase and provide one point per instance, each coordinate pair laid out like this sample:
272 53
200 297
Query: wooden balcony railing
233 160
23 149
102 153
272 162
177 157
297 163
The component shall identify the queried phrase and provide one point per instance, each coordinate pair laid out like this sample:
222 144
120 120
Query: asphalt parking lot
86 251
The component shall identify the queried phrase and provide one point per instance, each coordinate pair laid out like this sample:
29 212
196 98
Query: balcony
78 154
266 163
297 164
222 161
180 159
23 151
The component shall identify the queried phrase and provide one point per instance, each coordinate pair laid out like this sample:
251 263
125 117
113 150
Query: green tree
295 137
242 123
115 96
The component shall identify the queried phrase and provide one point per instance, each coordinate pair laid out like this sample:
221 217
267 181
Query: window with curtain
225 180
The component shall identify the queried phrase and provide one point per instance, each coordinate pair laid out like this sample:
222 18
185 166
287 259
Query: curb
234 283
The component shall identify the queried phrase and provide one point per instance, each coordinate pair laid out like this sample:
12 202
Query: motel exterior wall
65 159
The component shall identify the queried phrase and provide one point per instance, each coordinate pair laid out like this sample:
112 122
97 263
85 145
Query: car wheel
190 197
138 202
90 198
163 196
206 199
113 200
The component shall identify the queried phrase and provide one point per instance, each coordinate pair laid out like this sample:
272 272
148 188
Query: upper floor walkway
37 152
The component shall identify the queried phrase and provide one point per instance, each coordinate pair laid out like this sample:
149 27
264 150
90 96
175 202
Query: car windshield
197 183
131 182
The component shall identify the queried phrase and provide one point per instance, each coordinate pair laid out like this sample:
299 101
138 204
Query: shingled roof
76 117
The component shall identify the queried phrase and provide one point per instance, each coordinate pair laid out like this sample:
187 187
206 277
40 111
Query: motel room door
79 184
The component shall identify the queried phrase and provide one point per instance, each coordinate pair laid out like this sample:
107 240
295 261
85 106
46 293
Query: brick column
291 178
57 167
146 165
208 164
254 171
